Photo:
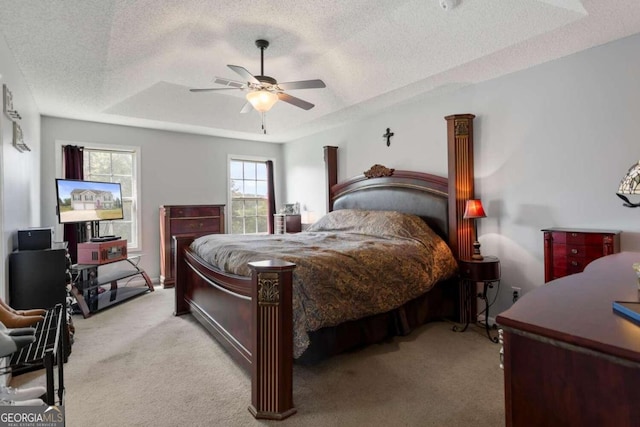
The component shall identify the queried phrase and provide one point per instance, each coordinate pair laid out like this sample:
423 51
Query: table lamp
473 210
630 184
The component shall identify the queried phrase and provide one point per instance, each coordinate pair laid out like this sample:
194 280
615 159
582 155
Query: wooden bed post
272 340
331 168
461 189
180 244
460 150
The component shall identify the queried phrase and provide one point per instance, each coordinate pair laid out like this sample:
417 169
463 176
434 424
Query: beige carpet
137 365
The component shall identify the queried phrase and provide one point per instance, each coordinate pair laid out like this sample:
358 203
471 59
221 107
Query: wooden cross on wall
388 135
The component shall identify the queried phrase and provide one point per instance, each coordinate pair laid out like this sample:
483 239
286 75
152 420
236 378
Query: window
248 189
116 165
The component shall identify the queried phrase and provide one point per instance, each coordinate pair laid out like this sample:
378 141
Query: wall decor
8 104
388 135
18 139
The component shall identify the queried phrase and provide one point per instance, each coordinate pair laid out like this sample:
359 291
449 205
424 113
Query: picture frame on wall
7 104
18 138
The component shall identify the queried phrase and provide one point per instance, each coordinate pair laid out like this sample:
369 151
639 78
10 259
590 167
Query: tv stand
98 286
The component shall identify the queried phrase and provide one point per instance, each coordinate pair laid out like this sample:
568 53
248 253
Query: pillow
376 223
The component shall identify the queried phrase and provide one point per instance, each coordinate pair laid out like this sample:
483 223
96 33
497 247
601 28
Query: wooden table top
577 309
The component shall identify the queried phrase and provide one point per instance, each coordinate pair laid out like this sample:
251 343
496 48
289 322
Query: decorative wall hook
18 139
388 135
7 104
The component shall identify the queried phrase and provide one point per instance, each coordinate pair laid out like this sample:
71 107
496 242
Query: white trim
241 157
137 170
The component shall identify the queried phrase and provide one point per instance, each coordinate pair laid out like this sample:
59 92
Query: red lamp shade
474 209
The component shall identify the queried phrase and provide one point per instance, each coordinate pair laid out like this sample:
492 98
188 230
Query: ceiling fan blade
244 73
295 101
229 82
246 108
303 84
209 89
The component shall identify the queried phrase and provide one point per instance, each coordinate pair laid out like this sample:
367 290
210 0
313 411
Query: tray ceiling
132 62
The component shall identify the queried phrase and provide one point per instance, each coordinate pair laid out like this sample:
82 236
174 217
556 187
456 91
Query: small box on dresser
569 250
176 220
287 223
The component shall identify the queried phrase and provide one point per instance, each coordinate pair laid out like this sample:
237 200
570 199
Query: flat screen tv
85 201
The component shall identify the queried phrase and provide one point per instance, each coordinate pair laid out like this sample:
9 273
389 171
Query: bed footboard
251 317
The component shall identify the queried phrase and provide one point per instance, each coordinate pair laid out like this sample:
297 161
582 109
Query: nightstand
485 271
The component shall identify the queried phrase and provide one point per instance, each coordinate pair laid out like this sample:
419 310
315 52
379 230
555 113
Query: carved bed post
272 340
461 189
331 168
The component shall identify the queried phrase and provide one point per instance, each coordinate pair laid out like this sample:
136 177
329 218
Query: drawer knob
574 234
574 263
574 251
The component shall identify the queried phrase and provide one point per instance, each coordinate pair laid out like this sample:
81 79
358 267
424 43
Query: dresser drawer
195 225
568 265
576 265
576 238
584 251
559 237
584 239
195 211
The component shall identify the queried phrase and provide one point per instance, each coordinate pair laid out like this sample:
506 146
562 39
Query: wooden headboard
429 196
381 188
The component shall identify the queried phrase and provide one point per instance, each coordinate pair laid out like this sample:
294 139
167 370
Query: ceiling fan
264 91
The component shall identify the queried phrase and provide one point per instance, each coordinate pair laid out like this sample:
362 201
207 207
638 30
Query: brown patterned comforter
350 264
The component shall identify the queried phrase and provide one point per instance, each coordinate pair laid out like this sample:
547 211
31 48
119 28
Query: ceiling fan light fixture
262 100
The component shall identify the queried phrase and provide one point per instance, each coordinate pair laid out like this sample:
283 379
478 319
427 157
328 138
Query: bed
249 305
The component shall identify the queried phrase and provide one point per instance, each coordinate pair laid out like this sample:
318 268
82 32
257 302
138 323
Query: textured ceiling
132 62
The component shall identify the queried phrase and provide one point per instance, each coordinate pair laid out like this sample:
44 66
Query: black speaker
34 239
37 279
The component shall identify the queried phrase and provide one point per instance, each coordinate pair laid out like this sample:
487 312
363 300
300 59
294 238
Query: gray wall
551 146
19 172
176 168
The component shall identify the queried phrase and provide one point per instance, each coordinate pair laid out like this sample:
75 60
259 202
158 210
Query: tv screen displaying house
82 201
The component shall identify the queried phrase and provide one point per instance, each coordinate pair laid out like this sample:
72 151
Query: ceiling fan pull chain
264 123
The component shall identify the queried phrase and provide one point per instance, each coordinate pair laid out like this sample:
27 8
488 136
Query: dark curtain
271 196
73 169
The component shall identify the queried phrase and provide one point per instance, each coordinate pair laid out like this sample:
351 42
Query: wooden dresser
176 220
569 360
569 250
